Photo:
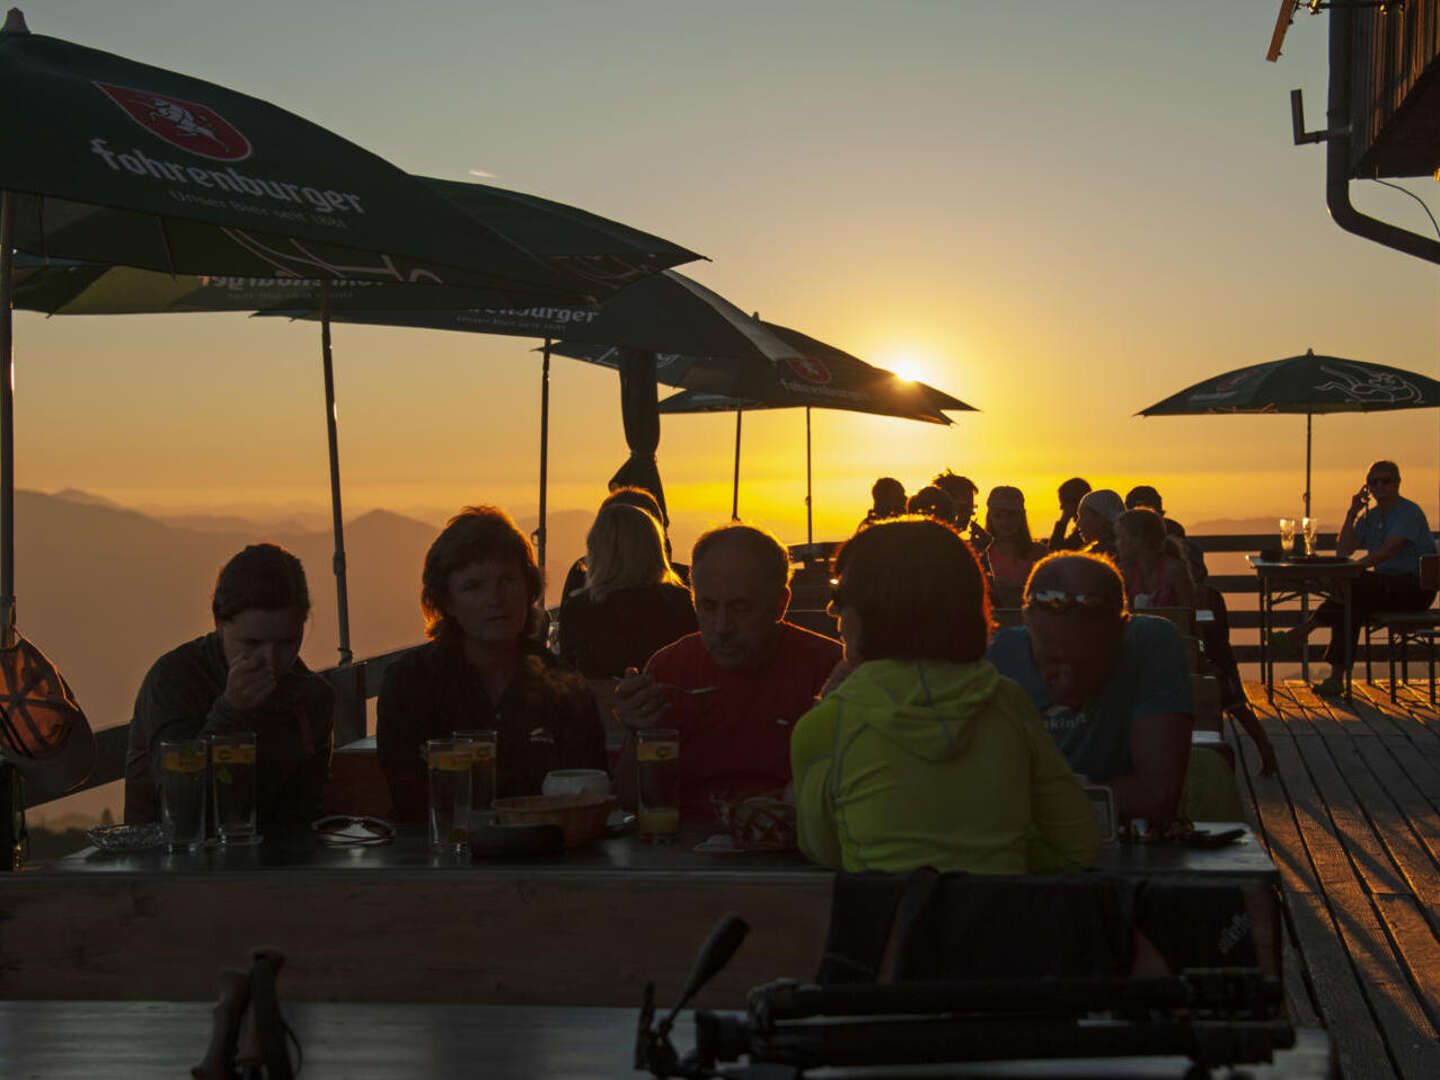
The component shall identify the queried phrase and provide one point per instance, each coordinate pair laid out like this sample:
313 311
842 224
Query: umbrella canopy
595 246
1306 384
116 161
861 386
561 234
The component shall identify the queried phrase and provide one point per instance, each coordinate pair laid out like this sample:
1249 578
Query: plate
120 838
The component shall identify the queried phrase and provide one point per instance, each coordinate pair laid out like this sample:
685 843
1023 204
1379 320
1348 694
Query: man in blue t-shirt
1394 534
1114 690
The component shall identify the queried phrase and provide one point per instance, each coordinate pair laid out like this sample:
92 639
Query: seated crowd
923 737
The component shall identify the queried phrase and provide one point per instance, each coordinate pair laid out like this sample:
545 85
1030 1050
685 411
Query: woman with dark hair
924 755
1012 551
633 602
483 669
1152 562
246 675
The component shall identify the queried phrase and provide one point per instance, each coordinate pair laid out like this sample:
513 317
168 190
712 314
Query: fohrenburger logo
194 128
809 368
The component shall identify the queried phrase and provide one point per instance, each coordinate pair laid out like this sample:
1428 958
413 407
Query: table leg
1267 672
1348 655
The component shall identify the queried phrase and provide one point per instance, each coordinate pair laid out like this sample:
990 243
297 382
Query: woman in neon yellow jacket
925 755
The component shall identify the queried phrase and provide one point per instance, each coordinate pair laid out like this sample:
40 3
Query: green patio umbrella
845 383
1306 384
596 247
111 160
663 313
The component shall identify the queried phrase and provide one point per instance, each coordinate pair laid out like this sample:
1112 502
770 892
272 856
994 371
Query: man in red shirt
735 689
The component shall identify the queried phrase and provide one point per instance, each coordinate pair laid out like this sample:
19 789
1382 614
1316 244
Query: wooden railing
356 684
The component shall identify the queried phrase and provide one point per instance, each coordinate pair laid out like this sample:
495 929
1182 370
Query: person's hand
249 683
1358 503
639 702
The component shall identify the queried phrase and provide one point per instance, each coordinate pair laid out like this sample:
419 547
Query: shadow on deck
1352 821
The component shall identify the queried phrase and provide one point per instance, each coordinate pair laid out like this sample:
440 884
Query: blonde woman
633 602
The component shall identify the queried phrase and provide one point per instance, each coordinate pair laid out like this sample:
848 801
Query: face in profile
1093 525
273 635
736 606
489 601
964 507
1073 652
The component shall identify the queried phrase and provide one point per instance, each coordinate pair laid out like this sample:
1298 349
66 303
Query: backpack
43 731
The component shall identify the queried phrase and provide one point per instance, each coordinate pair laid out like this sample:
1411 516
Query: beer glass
448 763
183 793
657 766
1287 537
1307 530
232 779
482 745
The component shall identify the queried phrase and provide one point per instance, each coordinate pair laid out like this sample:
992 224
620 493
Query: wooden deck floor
1352 820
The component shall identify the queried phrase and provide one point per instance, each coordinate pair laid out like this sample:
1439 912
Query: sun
907 364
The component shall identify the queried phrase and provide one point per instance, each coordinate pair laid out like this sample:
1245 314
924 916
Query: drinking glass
482 745
449 765
232 778
182 793
1307 530
657 767
1287 537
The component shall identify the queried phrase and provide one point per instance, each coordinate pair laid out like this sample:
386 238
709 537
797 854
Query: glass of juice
183 793
232 780
482 745
657 780
448 763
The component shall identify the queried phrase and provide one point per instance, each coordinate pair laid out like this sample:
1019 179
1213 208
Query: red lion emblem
196 129
809 368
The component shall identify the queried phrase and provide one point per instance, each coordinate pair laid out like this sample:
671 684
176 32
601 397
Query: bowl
582 817
576 782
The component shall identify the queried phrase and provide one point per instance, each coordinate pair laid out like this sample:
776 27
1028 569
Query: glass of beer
1287 537
657 767
1307 530
481 744
183 793
232 779
449 765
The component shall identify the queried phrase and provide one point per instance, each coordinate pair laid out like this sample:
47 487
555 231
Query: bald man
1114 689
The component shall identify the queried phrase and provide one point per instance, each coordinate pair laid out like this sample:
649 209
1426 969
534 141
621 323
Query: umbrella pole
735 489
809 505
342 592
1308 418
544 452
7 420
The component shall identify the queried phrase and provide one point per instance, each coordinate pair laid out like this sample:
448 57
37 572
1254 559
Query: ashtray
121 838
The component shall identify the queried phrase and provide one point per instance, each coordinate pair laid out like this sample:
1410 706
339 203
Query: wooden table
396 923
82 1040
1290 580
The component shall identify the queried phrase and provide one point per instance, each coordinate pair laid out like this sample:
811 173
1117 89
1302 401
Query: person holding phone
1394 534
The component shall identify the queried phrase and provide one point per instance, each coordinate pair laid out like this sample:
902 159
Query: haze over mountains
104 591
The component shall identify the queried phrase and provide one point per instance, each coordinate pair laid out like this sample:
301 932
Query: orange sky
1058 220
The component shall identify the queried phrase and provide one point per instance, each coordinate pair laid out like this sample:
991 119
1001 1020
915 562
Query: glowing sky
1058 212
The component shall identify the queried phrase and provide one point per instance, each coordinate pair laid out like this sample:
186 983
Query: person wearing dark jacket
244 676
479 589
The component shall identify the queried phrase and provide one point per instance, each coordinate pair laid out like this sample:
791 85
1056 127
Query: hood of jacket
927 707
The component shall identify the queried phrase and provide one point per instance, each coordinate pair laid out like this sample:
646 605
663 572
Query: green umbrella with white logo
1306 384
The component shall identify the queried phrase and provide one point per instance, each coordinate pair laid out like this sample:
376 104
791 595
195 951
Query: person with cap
1012 551
1096 518
1062 537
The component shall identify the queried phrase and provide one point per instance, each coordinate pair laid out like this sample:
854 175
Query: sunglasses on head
1059 601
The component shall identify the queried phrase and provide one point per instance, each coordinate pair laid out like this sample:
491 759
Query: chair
1403 628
